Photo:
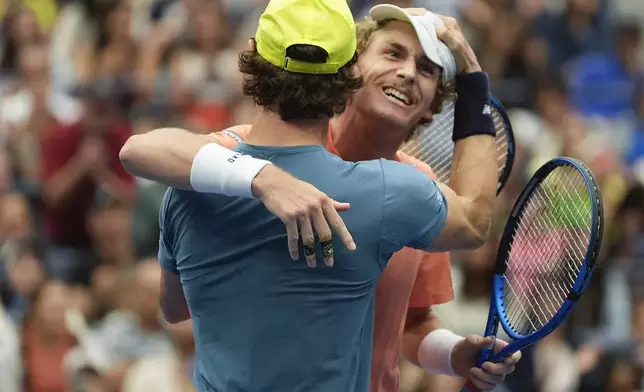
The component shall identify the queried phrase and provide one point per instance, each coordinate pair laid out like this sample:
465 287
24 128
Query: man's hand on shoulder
302 208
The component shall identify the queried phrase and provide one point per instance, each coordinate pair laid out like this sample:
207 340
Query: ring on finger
309 250
327 248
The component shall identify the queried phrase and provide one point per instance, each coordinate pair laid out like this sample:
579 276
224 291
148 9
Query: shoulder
417 163
398 174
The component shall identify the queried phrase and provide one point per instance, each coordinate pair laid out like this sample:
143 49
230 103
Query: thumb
480 342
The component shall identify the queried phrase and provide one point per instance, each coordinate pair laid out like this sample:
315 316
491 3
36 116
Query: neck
270 130
360 137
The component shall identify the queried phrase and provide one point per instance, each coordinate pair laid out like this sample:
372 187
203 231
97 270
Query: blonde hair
444 91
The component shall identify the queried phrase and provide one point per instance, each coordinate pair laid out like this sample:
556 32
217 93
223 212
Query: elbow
174 310
478 231
174 318
130 153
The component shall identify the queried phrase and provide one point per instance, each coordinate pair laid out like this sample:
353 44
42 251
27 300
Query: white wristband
435 351
216 169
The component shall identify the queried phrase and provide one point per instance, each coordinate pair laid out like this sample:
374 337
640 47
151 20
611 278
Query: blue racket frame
497 314
509 163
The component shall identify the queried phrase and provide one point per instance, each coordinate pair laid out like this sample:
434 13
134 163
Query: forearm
61 184
415 332
474 179
163 155
474 163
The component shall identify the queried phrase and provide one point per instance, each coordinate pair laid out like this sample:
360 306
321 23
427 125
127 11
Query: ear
357 72
252 46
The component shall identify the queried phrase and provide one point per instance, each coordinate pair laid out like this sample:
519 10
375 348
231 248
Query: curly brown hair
297 96
444 92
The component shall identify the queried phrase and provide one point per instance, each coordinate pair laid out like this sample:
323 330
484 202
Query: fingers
338 226
341 207
324 234
293 238
308 240
513 359
483 380
498 369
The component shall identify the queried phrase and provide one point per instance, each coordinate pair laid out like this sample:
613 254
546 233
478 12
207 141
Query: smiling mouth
397 96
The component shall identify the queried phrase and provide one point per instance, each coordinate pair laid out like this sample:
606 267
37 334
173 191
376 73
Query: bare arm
164 155
472 191
420 322
173 300
471 194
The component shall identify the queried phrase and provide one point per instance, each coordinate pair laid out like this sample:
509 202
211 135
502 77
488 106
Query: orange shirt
412 279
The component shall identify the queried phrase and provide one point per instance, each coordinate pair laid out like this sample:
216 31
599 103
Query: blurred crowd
79 282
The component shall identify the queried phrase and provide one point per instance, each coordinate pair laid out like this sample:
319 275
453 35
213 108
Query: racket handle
469 387
483 356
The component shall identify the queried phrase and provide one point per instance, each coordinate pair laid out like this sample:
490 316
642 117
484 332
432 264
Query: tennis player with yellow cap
428 72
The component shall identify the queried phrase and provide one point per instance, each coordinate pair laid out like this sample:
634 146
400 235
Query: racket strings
548 251
434 146
550 304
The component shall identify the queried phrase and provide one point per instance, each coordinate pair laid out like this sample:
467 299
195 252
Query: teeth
398 95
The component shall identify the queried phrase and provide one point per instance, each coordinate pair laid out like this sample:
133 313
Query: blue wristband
472 112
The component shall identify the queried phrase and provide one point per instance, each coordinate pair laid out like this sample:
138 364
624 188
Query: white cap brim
425 27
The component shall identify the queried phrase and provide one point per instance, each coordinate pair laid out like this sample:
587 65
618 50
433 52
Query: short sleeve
414 210
433 284
166 251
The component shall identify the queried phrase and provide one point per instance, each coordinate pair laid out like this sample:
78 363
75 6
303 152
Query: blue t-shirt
263 322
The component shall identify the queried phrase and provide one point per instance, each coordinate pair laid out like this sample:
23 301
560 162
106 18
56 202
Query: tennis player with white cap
402 68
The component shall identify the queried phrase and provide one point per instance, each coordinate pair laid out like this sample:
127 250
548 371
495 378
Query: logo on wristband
487 110
234 157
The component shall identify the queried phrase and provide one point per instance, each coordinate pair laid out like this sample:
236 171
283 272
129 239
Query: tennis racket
546 256
434 146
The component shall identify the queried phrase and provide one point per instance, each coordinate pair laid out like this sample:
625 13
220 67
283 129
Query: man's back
266 323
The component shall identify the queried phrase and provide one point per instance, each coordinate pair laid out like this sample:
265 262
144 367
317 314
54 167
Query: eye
393 54
428 70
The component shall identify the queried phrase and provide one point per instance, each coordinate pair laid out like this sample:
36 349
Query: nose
407 71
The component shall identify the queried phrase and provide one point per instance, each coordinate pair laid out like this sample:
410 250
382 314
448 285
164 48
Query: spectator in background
46 340
26 273
199 91
10 358
167 372
16 222
110 229
80 162
114 54
19 29
581 28
31 110
603 84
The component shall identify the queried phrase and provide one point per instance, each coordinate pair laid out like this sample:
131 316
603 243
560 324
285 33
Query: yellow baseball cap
328 24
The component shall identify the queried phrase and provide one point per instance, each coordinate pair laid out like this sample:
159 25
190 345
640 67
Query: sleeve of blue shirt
166 253
414 209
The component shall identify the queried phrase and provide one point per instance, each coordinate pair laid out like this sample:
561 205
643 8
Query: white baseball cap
425 26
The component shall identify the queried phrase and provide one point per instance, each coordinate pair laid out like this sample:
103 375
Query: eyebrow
423 57
397 46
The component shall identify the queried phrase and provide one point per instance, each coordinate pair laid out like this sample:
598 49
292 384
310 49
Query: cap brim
426 34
